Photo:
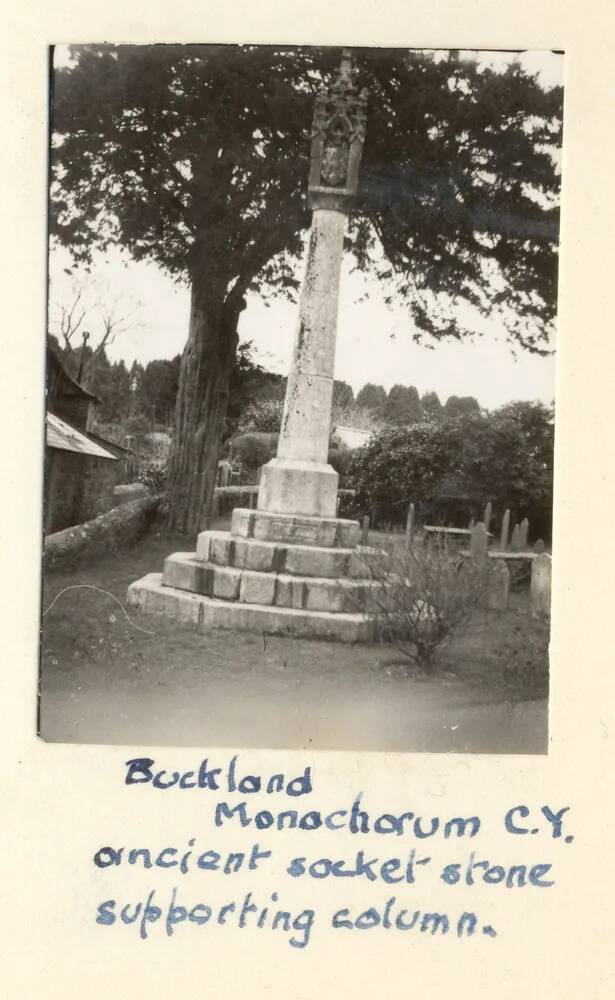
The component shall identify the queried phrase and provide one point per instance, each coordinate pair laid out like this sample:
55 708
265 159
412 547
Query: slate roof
62 436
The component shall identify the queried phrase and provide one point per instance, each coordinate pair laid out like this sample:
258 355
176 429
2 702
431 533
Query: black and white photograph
300 397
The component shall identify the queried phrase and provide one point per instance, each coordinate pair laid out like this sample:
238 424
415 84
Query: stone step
185 571
224 549
327 532
150 595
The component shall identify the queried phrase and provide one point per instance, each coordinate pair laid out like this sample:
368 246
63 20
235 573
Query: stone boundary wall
116 527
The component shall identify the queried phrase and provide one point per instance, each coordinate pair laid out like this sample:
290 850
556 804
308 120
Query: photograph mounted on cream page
300 397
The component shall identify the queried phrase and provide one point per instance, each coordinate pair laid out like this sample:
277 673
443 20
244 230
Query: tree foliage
403 405
505 456
461 189
343 395
372 397
458 406
157 390
196 157
431 406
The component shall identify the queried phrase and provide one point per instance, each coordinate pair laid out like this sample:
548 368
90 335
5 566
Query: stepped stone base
185 571
205 613
280 573
326 532
301 487
223 549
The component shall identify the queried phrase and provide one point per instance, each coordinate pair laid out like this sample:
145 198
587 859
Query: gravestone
410 525
540 585
524 530
479 541
498 585
505 531
515 541
488 514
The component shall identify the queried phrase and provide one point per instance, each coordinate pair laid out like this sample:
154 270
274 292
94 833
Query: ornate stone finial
337 140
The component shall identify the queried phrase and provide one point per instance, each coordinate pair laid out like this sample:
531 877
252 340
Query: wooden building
81 468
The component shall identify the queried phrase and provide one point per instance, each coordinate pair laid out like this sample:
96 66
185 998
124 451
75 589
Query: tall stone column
299 480
291 566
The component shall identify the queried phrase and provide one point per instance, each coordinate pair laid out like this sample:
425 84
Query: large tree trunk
200 410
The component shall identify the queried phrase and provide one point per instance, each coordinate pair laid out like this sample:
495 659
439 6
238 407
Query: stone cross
299 479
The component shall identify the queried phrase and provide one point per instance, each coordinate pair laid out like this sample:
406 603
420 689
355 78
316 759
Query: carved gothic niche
337 140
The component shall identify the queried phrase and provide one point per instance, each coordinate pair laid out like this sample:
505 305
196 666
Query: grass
105 680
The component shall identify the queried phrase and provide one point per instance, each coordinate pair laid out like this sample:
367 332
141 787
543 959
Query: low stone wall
116 527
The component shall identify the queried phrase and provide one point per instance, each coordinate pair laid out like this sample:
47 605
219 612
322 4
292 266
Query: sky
374 341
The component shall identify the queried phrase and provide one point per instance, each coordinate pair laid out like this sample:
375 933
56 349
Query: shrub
340 459
254 449
153 475
454 465
401 465
423 594
262 415
137 425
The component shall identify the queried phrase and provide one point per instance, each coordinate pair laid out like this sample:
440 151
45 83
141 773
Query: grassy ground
104 680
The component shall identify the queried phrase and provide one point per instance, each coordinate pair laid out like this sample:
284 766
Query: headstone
525 530
515 541
410 525
224 473
539 546
365 530
488 514
471 524
498 586
504 531
479 540
540 585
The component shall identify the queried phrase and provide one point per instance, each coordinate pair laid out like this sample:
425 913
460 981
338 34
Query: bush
153 475
137 425
450 468
254 449
423 594
399 466
340 459
262 415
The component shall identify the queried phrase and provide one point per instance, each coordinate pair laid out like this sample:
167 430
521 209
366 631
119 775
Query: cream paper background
59 803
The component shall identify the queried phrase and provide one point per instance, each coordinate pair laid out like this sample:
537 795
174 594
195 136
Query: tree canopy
453 466
196 157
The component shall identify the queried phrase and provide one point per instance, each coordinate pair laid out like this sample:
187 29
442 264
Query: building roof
119 450
351 437
60 381
63 437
